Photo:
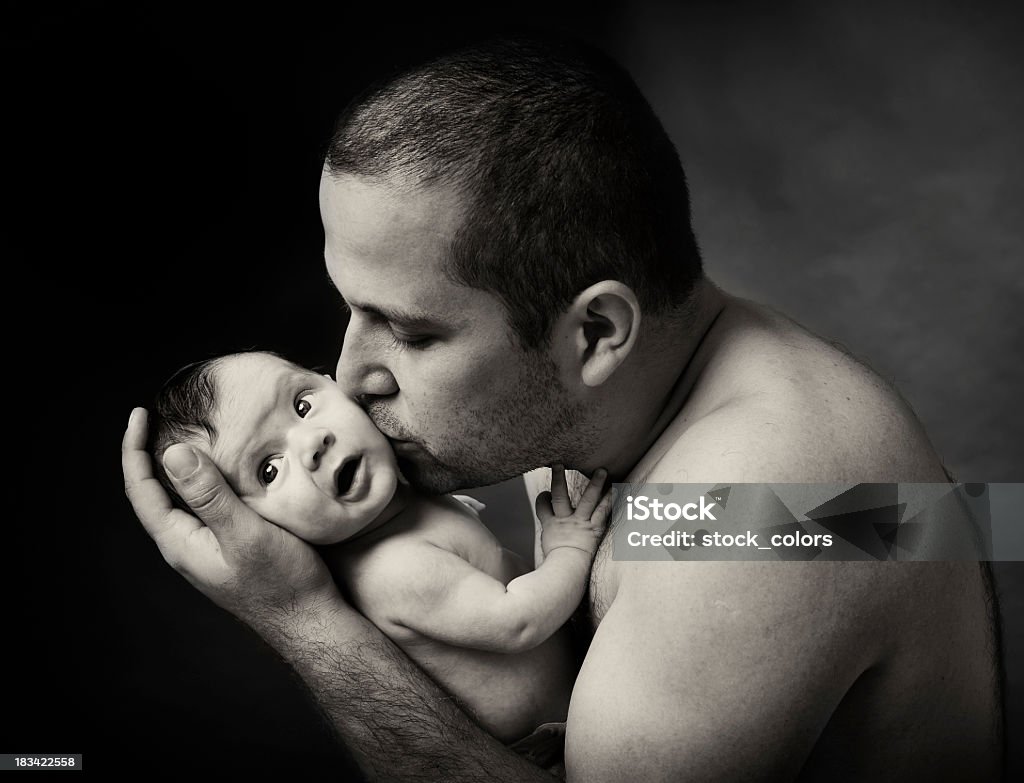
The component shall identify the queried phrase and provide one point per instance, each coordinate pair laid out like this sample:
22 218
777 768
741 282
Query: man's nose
360 370
312 444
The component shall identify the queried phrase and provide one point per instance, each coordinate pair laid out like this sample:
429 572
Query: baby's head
289 442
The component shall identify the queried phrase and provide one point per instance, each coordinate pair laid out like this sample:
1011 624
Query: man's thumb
198 484
180 461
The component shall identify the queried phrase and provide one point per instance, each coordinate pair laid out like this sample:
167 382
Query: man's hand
564 526
394 720
257 571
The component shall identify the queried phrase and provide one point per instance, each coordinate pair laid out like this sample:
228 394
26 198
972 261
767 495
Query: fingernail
181 461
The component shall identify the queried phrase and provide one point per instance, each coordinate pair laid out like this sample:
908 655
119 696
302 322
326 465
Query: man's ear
603 322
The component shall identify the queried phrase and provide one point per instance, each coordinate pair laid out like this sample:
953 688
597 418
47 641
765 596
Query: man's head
484 193
288 441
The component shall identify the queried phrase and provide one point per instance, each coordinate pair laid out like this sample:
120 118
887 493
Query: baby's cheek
279 509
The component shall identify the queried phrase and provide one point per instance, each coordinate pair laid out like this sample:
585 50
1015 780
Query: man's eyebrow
407 318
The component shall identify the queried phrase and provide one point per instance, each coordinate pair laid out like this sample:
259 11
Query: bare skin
882 650
711 672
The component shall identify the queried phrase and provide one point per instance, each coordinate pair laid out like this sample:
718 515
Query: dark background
856 165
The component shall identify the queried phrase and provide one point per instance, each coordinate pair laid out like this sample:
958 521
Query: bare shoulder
414 554
754 668
778 404
377 572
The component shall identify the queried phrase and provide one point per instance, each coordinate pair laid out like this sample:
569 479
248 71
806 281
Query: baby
423 569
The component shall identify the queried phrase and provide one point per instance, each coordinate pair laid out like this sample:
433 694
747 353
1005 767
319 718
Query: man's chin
430 479
434 478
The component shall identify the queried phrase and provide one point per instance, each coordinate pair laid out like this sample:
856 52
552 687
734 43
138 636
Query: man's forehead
374 215
386 247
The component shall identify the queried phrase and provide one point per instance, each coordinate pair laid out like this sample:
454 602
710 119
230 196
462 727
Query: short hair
182 411
566 175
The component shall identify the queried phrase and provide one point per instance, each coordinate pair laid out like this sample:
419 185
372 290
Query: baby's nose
318 442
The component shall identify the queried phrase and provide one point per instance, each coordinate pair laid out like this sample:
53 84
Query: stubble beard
532 425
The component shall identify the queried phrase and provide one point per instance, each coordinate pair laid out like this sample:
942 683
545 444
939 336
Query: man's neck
662 385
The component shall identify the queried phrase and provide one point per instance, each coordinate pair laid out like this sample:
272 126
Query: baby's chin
325 533
337 531
318 534
327 539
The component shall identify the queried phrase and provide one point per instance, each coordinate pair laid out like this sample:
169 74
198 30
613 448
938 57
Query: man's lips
403 445
388 424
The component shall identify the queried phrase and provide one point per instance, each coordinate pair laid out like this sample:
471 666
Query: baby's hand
471 502
580 528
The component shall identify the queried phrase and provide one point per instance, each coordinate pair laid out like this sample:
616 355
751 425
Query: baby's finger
592 494
560 492
543 507
599 519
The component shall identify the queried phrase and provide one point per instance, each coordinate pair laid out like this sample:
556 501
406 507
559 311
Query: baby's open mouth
347 474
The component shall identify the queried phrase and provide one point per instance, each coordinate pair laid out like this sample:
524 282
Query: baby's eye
269 471
303 406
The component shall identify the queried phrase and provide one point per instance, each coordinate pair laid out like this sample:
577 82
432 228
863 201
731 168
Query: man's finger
560 492
199 483
168 526
592 494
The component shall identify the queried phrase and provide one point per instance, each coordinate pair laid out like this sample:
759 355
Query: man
509 227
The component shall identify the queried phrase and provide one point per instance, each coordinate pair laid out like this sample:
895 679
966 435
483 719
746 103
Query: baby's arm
439 595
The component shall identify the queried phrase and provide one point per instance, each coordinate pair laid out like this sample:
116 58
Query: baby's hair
183 411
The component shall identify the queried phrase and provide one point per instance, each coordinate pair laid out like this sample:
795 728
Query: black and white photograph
355 328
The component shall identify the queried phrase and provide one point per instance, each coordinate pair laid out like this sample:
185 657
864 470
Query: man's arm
721 671
395 721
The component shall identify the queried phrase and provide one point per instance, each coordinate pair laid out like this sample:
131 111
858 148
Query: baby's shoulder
421 542
426 550
447 523
425 527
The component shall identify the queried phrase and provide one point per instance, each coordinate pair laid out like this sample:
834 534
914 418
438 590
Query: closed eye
403 343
